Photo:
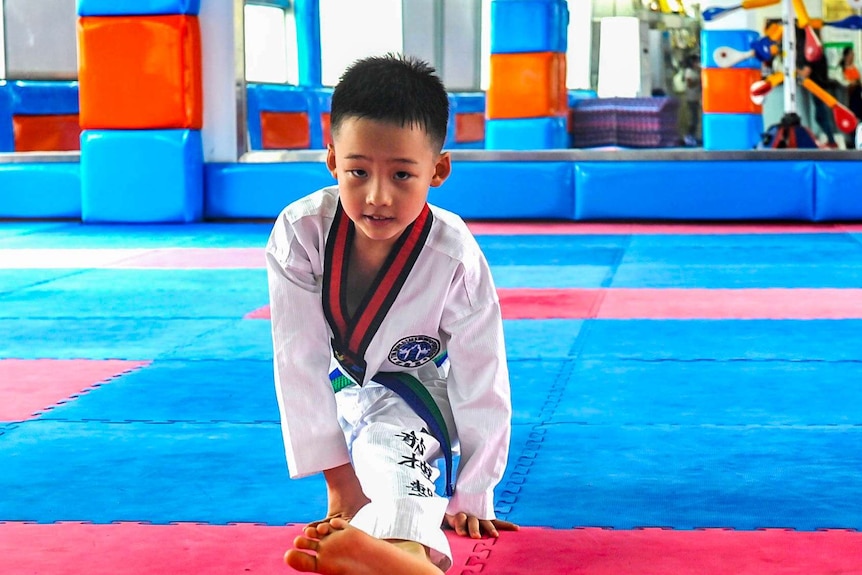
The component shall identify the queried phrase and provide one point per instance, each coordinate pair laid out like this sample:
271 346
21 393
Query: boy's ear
442 169
330 161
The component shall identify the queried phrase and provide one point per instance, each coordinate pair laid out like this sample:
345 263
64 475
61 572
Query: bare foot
336 548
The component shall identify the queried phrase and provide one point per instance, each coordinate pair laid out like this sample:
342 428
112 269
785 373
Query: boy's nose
378 194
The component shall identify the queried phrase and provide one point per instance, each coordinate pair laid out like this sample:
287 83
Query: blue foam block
260 190
732 131
716 190
526 133
141 176
237 391
203 472
40 190
44 98
575 96
836 192
7 134
725 340
612 391
529 26
481 190
320 102
274 98
685 477
739 40
467 102
137 8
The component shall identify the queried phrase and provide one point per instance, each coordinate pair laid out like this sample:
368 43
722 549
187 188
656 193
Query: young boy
393 300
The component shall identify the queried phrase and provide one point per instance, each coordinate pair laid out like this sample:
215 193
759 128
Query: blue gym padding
540 250
224 390
222 294
756 393
157 472
732 190
259 190
551 276
732 132
685 477
836 192
751 275
535 386
463 103
239 340
44 98
7 134
529 26
320 102
15 280
137 8
40 190
469 193
275 98
726 340
545 339
141 176
98 338
547 133
153 236
739 40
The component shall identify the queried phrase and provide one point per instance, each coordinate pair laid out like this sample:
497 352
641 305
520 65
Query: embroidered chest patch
414 350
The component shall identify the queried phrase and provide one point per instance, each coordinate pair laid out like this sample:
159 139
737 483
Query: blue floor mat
186 391
103 293
132 338
232 340
541 339
689 340
569 276
553 250
620 392
150 236
714 275
103 472
690 476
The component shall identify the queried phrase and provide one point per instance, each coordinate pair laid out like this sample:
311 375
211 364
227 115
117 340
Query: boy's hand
475 528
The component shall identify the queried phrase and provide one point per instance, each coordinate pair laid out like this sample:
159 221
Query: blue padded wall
141 176
249 191
44 98
837 191
7 135
137 7
526 133
708 190
516 22
285 98
40 190
517 190
732 131
740 40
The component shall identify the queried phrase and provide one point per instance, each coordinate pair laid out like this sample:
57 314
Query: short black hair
393 88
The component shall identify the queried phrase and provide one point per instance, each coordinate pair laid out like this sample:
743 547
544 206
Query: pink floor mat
30 386
247 549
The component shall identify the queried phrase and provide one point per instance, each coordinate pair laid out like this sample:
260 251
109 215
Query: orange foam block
285 130
140 72
527 85
46 133
728 90
470 127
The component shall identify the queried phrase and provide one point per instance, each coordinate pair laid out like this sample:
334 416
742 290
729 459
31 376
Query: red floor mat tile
29 386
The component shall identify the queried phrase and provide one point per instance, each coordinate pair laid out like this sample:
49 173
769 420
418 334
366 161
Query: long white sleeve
480 399
313 438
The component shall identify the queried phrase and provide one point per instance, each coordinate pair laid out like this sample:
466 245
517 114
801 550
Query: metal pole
788 44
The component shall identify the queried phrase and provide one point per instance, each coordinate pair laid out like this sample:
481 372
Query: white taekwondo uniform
440 324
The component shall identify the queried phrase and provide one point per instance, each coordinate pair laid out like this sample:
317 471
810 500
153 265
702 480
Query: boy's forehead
355 129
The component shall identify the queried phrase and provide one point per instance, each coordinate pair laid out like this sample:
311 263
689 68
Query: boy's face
384 171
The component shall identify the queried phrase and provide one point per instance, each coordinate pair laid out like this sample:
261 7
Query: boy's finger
473 527
490 528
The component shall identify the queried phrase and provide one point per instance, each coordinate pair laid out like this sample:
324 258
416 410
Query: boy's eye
402 175
357 173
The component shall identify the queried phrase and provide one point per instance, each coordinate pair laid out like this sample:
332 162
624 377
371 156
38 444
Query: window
270 43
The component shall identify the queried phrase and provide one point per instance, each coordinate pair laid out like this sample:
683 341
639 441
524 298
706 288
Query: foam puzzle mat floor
686 399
